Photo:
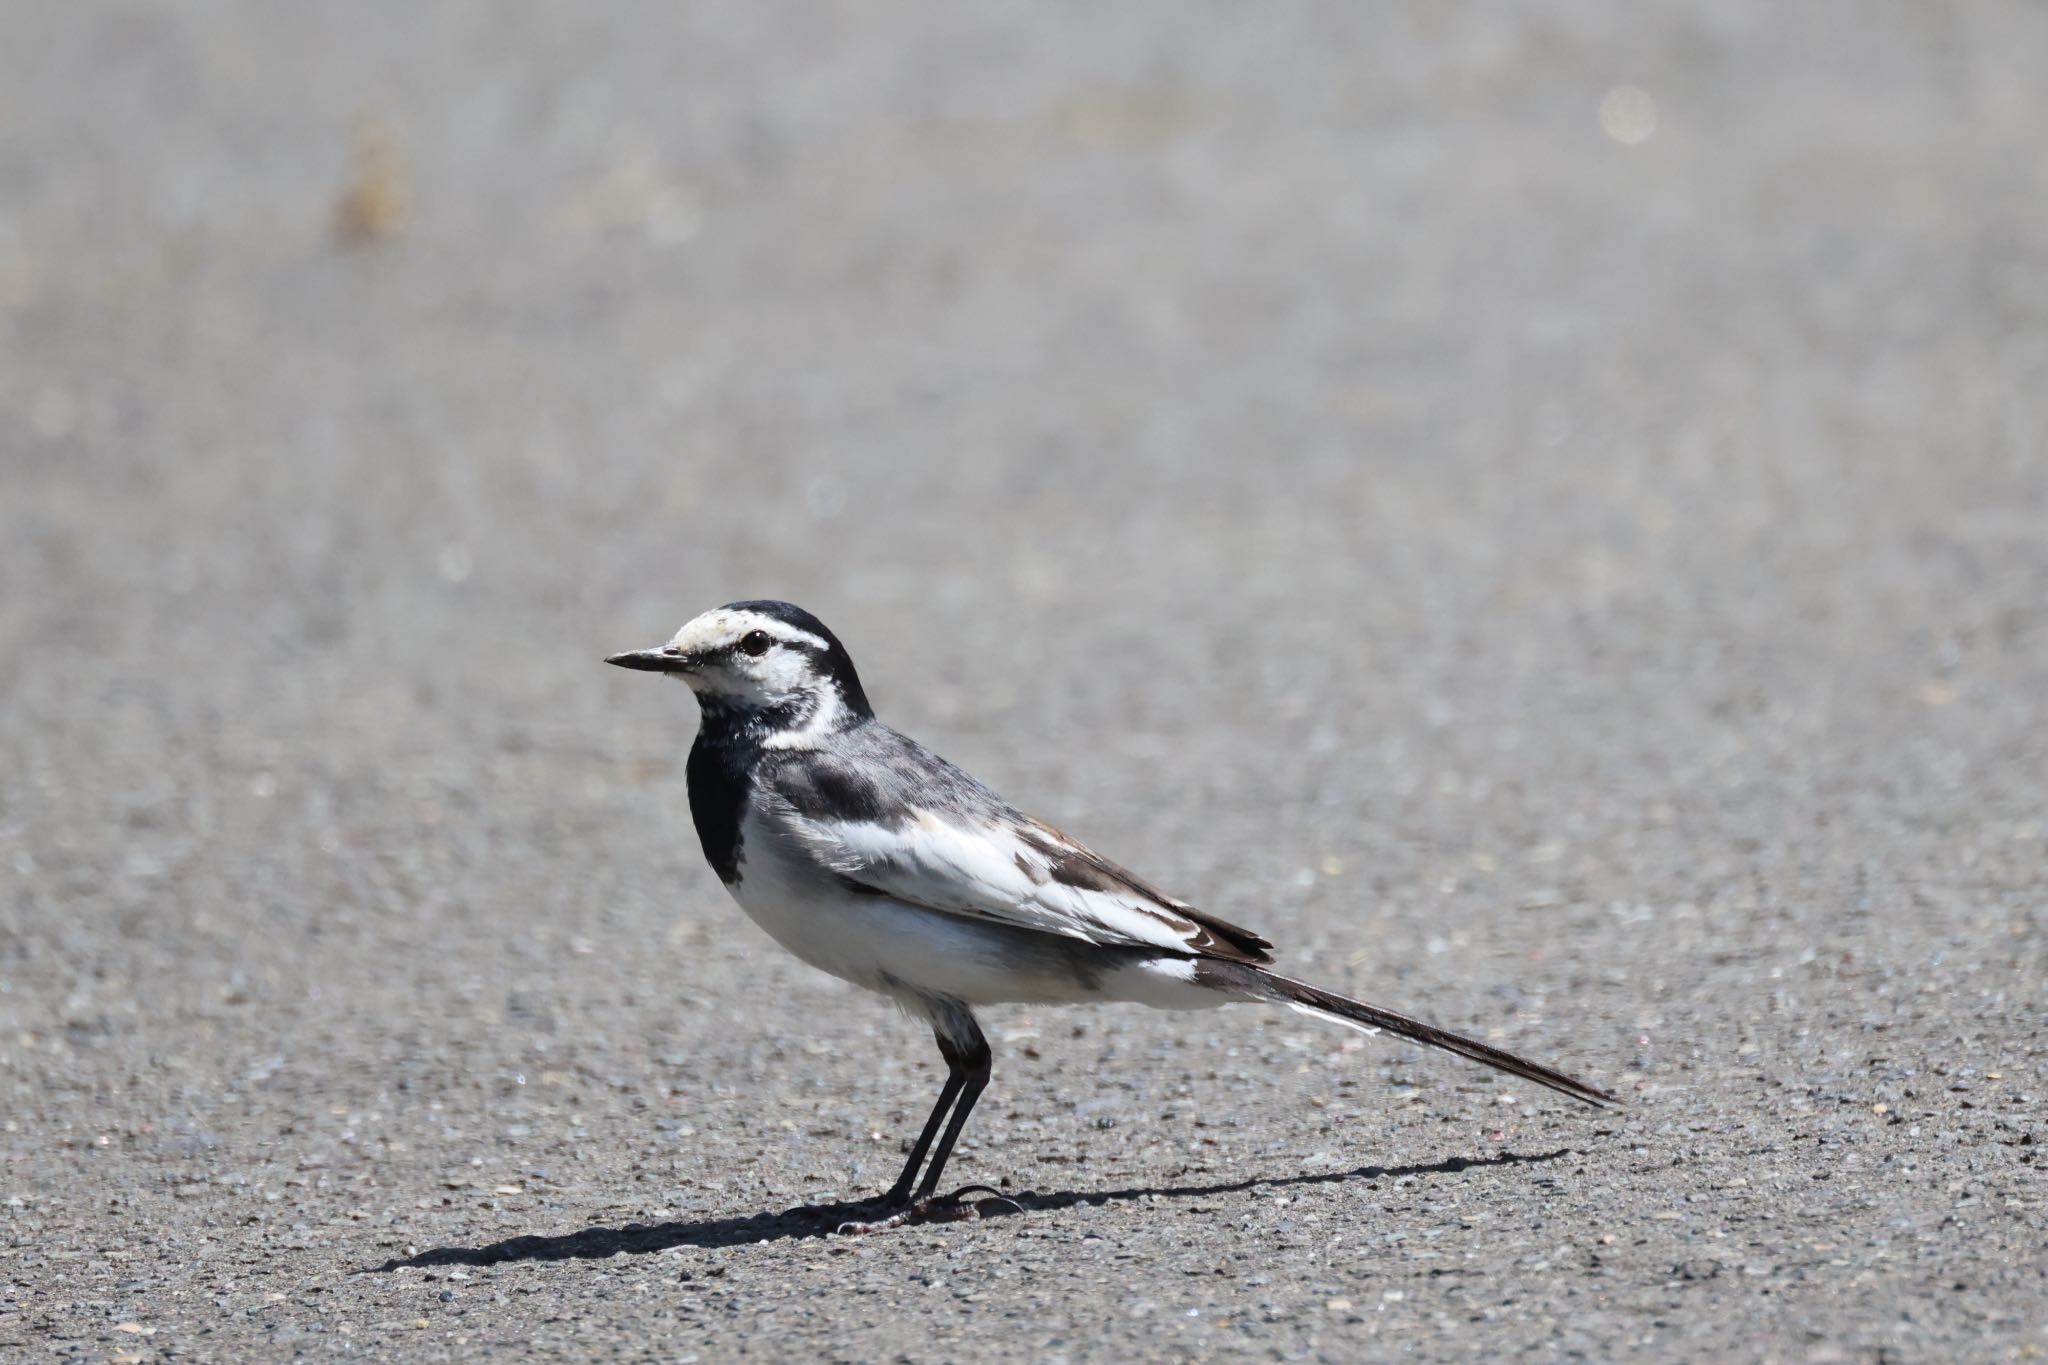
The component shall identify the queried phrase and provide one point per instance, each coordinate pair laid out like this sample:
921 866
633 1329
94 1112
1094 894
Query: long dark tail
1315 1000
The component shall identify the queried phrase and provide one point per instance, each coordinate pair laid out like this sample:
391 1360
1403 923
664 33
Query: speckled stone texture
1540 510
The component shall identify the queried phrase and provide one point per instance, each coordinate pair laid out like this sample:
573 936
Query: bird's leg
968 1062
967 1053
899 1193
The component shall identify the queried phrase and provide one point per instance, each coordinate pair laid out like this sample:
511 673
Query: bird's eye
755 642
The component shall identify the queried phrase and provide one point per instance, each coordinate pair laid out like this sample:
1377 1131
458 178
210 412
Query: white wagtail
872 858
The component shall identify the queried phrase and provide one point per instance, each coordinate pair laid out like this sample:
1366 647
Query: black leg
968 1057
899 1194
968 1062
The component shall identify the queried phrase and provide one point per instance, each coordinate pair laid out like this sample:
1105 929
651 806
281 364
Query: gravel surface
1542 511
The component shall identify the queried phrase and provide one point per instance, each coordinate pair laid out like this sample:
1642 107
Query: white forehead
723 626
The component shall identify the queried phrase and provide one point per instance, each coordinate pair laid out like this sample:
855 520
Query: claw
995 1196
965 1190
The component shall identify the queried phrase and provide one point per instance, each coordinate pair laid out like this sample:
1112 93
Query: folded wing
1018 872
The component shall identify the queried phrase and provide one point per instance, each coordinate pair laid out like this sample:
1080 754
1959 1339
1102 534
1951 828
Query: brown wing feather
1072 863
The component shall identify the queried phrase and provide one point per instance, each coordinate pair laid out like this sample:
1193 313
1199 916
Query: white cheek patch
780 670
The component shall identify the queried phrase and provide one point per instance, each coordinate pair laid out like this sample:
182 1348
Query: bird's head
769 661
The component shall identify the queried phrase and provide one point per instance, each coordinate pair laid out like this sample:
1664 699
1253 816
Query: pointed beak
666 659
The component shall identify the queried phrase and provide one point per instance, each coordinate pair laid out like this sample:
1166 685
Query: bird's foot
908 1216
948 1208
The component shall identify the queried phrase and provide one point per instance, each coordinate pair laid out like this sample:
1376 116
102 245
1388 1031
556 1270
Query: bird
871 858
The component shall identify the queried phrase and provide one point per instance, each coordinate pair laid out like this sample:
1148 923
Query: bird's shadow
819 1220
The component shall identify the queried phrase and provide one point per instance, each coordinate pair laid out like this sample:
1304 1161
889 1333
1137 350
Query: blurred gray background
1540 510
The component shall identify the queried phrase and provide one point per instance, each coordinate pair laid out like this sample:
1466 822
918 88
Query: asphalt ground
1542 511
